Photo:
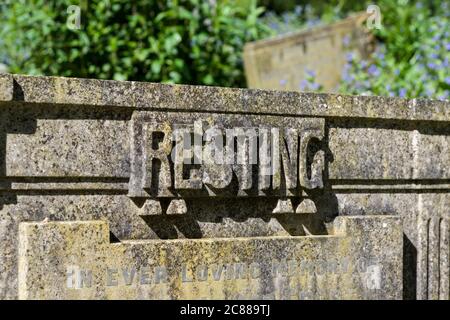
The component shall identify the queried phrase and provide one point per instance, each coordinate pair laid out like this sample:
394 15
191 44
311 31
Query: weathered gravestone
76 260
283 62
139 190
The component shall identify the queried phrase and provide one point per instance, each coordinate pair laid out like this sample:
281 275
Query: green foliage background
178 41
413 56
201 41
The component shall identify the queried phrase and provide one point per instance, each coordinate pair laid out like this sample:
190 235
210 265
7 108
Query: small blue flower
447 46
347 67
283 82
298 10
274 26
358 86
315 86
346 41
432 65
303 84
373 70
402 93
447 80
313 22
310 73
396 72
348 78
349 56
434 55
445 95
380 55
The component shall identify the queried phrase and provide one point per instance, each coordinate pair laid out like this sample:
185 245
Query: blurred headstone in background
3 68
314 56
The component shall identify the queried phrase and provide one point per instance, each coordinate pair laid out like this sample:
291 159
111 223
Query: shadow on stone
409 270
224 217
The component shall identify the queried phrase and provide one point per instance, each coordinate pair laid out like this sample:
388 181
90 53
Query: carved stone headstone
283 62
76 260
149 191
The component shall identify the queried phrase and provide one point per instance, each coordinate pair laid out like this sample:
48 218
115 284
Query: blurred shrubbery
201 41
185 41
413 58
413 53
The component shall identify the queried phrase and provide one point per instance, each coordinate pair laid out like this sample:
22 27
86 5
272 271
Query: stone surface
75 260
81 150
6 87
282 63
